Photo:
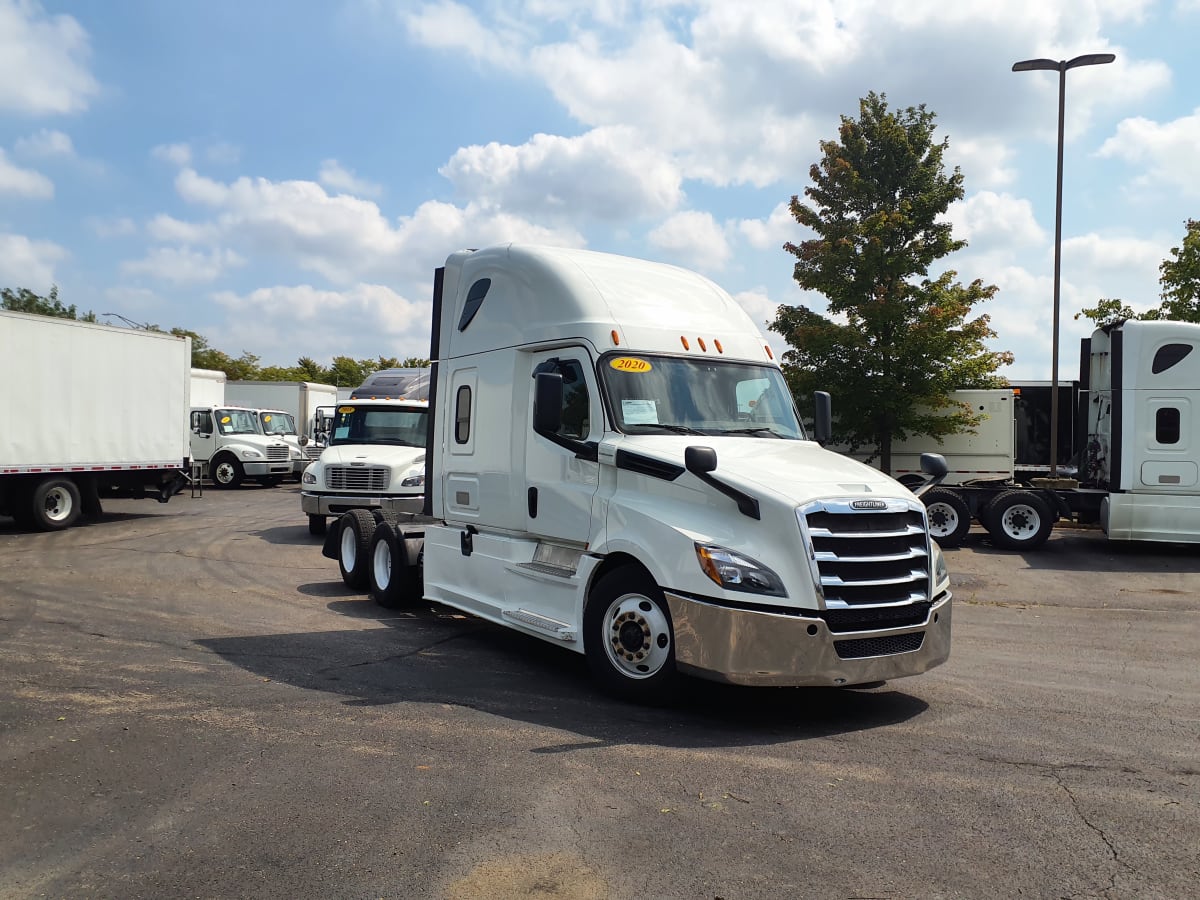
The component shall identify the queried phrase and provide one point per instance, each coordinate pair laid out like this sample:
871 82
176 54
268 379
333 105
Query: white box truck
300 400
615 464
88 412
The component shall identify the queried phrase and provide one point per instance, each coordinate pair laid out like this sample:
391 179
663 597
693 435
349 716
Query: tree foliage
896 342
1179 288
26 301
343 372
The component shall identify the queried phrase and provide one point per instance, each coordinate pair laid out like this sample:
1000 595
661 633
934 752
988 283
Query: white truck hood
802 470
373 454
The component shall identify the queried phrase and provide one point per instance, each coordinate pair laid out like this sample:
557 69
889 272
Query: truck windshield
277 422
374 425
237 421
665 394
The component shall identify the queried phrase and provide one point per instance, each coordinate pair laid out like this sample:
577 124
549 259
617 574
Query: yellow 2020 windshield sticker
629 364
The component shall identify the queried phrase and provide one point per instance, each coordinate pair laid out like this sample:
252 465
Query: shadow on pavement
438 656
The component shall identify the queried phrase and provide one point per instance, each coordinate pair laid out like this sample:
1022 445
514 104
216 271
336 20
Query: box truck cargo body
301 400
88 411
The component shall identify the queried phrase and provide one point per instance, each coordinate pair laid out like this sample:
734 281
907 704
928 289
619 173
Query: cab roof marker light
717 344
616 339
684 341
770 355
700 341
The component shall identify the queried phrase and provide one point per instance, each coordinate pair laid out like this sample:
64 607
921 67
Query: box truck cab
276 423
616 465
374 459
228 443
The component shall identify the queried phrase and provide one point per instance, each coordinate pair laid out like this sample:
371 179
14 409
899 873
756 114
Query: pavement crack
1112 850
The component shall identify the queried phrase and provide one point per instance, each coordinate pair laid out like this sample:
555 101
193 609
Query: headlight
414 478
736 572
941 574
250 454
308 477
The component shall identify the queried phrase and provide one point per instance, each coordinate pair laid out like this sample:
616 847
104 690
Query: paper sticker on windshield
629 364
639 412
345 410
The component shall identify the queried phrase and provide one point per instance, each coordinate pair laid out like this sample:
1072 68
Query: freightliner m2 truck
88 412
615 464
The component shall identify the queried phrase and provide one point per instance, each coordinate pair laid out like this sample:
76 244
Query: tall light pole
1060 66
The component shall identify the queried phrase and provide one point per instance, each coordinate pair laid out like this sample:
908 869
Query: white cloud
988 218
774 231
984 163
694 237
23 182
28 263
43 61
337 178
606 173
182 265
1167 151
291 315
452 26
347 239
223 153
45 143
170 230
176 154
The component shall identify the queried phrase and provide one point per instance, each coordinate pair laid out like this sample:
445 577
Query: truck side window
1166 425
1169 355
462 415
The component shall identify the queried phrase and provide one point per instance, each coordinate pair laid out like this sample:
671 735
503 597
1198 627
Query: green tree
1179 288
897 342
25 300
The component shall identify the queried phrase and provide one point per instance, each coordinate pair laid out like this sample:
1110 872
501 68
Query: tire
226 472
354 546
1019 520
55 504
628 637
316 524
395 581
949 516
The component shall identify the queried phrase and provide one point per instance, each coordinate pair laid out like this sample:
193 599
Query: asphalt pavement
193 705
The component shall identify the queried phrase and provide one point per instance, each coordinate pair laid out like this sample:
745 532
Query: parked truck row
613 463
1129 438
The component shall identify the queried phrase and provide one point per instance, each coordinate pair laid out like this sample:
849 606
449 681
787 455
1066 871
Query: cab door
559 485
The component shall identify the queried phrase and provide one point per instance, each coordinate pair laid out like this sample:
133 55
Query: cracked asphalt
192 705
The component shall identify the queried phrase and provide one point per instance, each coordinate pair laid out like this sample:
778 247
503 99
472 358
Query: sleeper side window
462 414
1166 425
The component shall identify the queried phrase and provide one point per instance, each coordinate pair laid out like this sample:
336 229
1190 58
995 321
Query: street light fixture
129 322
1060 66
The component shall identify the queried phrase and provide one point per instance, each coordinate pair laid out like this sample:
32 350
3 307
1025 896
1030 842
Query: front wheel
1019 520
949 516
56 504
628 637
227 472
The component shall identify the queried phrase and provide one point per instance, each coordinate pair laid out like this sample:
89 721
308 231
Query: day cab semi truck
615 465
1138 424
88 412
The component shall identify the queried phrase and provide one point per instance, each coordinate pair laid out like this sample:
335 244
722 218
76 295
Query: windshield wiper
761 429
674 429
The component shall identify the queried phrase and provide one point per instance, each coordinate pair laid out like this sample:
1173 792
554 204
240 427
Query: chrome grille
356 478
868 558
312 451
278 453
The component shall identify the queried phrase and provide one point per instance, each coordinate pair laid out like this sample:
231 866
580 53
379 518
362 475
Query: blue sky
283 177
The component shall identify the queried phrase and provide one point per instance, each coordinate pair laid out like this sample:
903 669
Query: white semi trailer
615 464
88 412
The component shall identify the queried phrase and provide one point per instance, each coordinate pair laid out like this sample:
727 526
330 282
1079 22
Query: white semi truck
375 459
1138 420
88 412
616 465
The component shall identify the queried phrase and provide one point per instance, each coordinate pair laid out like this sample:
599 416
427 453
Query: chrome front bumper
740 646
335 504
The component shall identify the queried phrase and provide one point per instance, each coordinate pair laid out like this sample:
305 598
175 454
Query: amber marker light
684 341
615 338
770 355
717 344
700 341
